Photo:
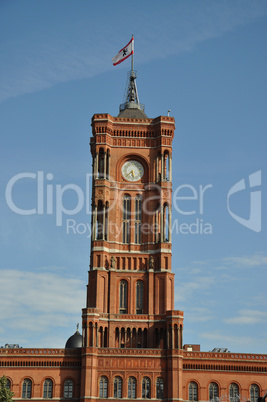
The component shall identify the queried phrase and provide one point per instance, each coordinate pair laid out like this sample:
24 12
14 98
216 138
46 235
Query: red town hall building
131 346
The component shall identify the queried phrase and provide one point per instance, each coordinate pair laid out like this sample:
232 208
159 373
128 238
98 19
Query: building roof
133 113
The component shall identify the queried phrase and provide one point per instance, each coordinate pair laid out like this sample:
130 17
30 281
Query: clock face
132 170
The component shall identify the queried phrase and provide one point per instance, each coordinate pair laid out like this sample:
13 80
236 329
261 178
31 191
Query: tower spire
131 99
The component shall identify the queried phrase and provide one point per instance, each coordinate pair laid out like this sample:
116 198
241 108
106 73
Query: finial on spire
77 327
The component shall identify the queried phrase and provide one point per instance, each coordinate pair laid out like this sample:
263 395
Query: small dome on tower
74 341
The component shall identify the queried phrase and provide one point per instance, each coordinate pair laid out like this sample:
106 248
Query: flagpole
132 56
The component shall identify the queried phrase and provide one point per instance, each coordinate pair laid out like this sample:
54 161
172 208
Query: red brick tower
129 327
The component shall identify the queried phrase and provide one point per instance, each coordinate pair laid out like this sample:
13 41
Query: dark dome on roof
74 341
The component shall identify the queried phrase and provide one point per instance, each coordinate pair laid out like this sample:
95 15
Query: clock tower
131 334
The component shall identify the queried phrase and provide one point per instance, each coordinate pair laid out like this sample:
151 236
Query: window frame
123 297
68 383
126 219
146 388
117 392
213 391
193 391
103 387
233 389
160 388
138 219
26 389
48 388
8 383
139 297
132 386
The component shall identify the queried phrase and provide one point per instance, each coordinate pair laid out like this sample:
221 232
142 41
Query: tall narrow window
117 387
68 389
106 222
26 389
48 388
254 393
126 219
103 387
139 297
160 388
192 392
146 385
138 220
166 223
132 387
123 297
213 392
101 164
234 393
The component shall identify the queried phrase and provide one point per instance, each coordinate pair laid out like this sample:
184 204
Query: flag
124 53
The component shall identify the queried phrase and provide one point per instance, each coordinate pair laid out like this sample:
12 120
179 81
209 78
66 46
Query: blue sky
203 60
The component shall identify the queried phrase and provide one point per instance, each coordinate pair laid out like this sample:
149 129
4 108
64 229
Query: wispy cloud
54 53
255 260
248 317
199 314
39 301
223 340
185 290
202 281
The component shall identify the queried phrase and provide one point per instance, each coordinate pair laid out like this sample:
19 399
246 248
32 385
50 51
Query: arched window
26 389
234 393
254 393
8 383
132 387
146 388
117 387
123 297
213 392
139 297
138 220
48 388
126 216
103 387
192 391
160 388
68 389
101 163
166 222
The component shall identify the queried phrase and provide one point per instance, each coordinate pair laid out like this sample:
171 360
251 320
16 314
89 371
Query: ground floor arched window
68 389
193 391
213 392
234 393
26 389
254 393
